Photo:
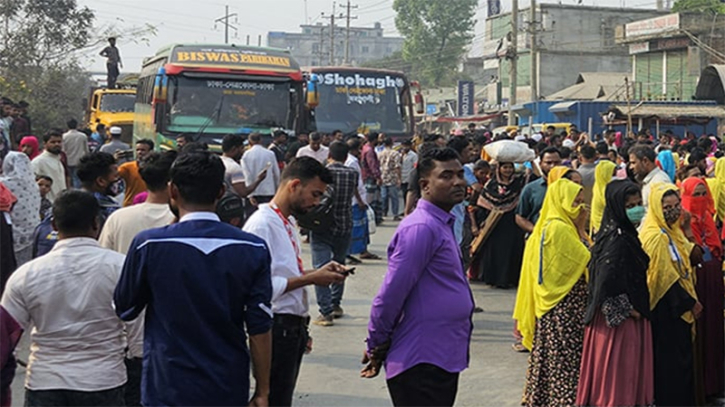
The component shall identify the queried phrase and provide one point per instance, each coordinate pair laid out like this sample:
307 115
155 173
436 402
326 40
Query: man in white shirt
49 164
303 184
256 160
642 161
315 149
410 160
234 180
75 146
77 341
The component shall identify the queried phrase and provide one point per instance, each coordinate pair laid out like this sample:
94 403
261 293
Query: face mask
673 214
635 214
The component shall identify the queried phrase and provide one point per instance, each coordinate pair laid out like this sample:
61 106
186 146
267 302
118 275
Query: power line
227 24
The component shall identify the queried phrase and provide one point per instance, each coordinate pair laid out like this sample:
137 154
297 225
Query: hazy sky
193 21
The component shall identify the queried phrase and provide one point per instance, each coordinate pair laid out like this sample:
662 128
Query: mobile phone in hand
348 272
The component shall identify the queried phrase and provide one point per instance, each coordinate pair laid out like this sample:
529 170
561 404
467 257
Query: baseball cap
568 143
115 130
230 207
536 137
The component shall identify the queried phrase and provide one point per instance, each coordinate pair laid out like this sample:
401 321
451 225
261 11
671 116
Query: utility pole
332 34
347 32
532 35
227 24
513 55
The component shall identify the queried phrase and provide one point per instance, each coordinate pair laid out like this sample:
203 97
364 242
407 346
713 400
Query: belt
291 320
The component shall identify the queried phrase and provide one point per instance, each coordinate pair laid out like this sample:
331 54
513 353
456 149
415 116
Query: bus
208 91
361 100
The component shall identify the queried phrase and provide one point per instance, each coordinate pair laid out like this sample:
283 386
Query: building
570 39
312 47
669 53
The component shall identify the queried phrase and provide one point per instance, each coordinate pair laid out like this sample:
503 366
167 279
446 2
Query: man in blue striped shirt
202 283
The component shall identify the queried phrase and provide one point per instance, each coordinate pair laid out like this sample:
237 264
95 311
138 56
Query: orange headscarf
702 209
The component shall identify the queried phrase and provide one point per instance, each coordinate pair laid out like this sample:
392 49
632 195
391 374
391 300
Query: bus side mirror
313 94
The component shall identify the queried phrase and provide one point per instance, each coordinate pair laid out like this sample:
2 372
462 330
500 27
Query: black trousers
47 398
289 342
424 385
132 388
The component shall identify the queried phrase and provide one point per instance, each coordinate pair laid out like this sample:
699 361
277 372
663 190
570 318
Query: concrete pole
514 56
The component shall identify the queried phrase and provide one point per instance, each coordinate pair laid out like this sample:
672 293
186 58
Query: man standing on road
254 161
113 60
424 304
279 141
410 160
49 163
232 150
391 173
75 146
202 282
371 175
116 146
532 196
587 166
315 149
642 162
360 232
333 244
98 174
77 340
129 172
304 182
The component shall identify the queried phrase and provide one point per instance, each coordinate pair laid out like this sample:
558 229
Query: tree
699 6
393 61
436 36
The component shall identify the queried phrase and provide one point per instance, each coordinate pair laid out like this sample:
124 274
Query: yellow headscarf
676 157
563 262
603 175
668 250
556 174
717 186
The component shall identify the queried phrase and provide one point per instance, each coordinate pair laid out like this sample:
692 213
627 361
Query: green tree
436 36
699 6
393 61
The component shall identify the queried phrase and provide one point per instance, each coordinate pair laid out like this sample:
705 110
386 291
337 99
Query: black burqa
618 264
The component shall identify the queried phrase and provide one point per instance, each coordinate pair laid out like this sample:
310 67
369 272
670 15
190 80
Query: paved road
330 377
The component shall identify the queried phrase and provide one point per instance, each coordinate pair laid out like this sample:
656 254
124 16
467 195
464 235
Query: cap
520 138
568 143
115 130
537 137
230 207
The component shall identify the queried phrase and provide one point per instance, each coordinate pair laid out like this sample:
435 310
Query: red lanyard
290 233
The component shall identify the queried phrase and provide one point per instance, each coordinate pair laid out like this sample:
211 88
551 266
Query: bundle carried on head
510 151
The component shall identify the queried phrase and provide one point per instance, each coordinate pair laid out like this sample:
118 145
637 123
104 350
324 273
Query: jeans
372 191
404 191
74 180
132 388
424 385
289 342
389 195
325 248
52 398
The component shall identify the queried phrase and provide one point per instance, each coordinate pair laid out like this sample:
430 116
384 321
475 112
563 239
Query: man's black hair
338 151
154 169
100 126
642 151
147 142
354 143
94 165
372 136
550 128
255 137
194 146
74 212
72 123
429 159
433 137
186 137
458 143
23 104
199 177
277 134
407 143
388 141
45 177
588 152
230 206
696 155
565 153
549 150
306 169
315 136
336 131
52 133
602 147
230 141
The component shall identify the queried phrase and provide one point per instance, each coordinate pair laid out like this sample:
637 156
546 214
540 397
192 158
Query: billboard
465 98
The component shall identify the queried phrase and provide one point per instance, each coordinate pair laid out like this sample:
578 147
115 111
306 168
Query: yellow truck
112 107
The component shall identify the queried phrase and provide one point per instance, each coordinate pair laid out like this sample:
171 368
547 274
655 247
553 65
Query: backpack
320 219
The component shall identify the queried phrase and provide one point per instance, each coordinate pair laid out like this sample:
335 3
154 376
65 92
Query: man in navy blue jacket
202 283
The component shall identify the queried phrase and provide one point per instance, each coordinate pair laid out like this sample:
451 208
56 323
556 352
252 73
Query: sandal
369 256
518 347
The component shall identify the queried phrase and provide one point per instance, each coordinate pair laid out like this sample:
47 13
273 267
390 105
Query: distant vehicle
360 100
541 128
111 107
208 91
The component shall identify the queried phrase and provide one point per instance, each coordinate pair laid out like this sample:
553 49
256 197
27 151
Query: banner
494 7
465 98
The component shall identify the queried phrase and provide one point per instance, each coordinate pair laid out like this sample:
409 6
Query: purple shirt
425 304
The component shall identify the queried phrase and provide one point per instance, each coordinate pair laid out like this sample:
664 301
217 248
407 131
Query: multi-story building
312 47
570 39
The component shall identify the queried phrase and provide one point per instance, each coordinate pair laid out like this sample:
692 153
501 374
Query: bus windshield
228 106
117 102
361 102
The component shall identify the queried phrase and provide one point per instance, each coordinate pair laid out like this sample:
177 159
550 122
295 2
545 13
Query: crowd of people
167 274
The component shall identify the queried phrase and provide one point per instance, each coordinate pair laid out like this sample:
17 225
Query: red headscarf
702 209
33 143
7 199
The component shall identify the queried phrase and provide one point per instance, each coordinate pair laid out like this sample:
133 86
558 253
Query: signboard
652 26
494 7
465 98
638 48
431 109
670 43
233 57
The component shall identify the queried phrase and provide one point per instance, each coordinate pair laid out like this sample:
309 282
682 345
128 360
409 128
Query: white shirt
77 341
409 161
75 145
268 225
655 176
321 155
50 165
233 173
354 163
255 161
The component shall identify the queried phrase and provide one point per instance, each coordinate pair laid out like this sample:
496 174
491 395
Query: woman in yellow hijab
603 175
554 297
672 297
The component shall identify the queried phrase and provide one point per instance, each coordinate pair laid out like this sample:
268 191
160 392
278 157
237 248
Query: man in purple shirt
420 322
372 177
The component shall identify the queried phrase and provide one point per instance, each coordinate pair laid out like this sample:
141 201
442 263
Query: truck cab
112 107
